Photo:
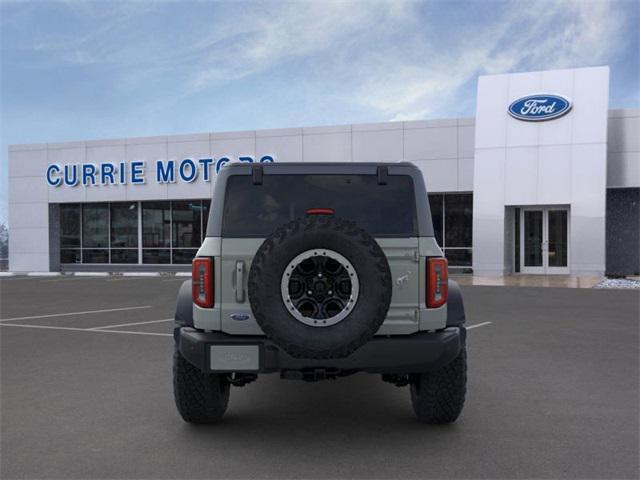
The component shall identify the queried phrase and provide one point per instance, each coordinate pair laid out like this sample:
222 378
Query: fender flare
184 308
455 306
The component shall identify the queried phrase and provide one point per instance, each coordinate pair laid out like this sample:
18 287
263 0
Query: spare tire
320 287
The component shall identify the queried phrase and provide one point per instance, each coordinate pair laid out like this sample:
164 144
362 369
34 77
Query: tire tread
338 226
200 397
438 397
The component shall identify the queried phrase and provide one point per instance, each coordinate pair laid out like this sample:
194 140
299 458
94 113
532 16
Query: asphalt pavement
86 393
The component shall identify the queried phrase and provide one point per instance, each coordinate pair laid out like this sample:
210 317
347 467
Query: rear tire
438 397
200 397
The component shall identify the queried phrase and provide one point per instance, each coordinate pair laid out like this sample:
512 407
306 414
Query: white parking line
132 324
478 325
74 313
69 278
49 327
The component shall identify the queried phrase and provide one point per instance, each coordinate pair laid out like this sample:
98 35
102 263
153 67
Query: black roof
320 164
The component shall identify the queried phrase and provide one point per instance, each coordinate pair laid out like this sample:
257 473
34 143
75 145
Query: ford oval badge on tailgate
239 317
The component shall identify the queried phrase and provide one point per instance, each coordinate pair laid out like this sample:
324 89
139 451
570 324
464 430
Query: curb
140 274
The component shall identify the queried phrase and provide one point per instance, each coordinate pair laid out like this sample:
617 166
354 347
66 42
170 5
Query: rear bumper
420 352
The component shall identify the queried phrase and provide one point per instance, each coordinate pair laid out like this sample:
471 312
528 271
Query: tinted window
458 220
436 202
156 224
458 257
95 226
186 223
69 226
126 255
95 255
124 225
257 210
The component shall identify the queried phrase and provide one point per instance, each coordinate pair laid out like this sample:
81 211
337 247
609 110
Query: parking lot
86 393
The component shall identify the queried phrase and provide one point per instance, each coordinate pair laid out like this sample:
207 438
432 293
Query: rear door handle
240 281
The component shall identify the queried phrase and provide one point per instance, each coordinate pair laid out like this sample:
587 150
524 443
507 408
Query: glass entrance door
544 240
533 242
557 242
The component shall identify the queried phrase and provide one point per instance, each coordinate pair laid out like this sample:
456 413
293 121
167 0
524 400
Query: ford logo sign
536 108
239 317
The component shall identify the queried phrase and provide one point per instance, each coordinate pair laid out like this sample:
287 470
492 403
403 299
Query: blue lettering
53 182
123 173
266 159
193 170
221 163
206 168
165 174
106 172
137 172
69 180
88 173
246 159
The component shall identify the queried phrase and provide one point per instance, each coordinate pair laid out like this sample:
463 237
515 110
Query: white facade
569 161
557 162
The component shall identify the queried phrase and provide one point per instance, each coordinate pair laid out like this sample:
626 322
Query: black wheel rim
320 287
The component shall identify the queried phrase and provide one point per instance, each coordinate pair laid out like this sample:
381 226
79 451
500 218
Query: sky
74 70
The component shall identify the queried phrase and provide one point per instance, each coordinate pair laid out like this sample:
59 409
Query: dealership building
544 180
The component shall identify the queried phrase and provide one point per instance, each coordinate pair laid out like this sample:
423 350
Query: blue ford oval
535 108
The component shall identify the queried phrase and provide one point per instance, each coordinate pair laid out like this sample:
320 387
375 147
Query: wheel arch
184 307
455 305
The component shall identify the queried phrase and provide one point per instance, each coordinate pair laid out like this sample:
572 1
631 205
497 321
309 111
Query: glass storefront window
159 255
69 226
124 225
458 257
458 220
95 255
186 223
452 215
183 255
156 224
127 255
436 204
95 225
70 255
206 205
171 233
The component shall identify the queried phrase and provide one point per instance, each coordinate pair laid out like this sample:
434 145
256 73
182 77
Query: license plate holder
234 358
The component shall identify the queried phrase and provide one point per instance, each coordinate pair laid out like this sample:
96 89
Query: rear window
257 210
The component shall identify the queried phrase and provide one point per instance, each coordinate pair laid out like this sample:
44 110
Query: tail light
437 282
202 281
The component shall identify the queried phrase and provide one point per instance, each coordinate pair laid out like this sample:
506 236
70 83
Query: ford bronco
318 271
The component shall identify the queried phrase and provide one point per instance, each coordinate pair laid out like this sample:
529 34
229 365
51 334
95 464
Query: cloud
294 31
394 58
540 36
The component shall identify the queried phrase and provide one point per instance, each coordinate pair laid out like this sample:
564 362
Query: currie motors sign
536 108
136 172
